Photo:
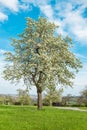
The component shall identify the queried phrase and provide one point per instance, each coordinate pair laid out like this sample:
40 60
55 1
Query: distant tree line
22 98
52 97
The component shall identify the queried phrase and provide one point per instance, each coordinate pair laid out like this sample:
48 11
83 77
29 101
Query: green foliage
6 99
28 118
23 97
52 95
1 100
83 97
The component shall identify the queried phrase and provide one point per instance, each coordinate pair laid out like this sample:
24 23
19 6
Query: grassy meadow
29 118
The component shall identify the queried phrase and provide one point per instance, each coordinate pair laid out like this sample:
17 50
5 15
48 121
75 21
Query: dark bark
39 89
39 99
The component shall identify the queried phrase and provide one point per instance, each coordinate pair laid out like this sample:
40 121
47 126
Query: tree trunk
39 100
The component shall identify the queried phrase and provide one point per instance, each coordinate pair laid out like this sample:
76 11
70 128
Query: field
29 118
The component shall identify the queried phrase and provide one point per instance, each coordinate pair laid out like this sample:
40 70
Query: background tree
41 57
23 97
66 99
83 97
53 95
1 99
80 101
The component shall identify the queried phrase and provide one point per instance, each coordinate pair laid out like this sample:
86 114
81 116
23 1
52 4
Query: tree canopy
41 57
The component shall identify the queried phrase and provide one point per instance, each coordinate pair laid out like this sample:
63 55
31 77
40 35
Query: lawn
83 108
29 118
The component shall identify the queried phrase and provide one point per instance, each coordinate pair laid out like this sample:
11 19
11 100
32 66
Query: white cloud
37 2
77 25
10 4
45 7
25 7
72 19
2 51
3 16
47 10
13 6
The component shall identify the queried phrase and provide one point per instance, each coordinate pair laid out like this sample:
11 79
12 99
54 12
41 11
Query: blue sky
69 15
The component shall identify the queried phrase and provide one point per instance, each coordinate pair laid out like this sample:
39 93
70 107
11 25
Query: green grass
29 118
83 108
